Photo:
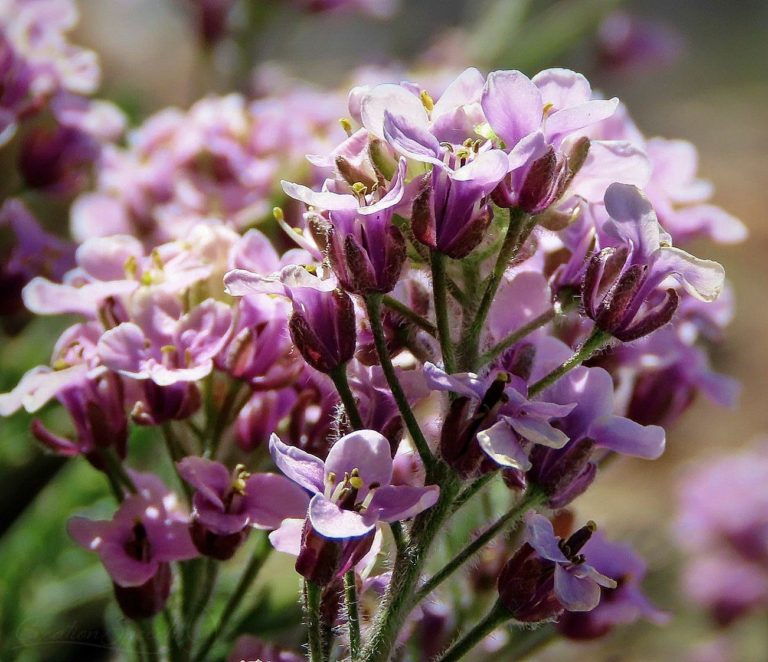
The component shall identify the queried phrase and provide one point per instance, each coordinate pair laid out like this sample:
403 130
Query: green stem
176 453
441 311
373 306
514 514
488 624
400 536
412 316
517 336
597 341
223 417
339 377
525 642
146 628
473 488
196 601
397 600
118 476
353 617
256 562
312 600
520 226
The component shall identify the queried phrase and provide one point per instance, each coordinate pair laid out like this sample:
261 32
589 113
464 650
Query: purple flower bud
211 19
97 410
544 182
322 560
563 474
323 322
148 599
161 404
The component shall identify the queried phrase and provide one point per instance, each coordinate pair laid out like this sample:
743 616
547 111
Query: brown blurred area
716 96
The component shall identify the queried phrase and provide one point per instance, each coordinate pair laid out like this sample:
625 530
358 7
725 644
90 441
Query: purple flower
261 415
549 575
96 406
504 422
227 503
168 348
136 546
366 250
323 322
621 285
352 490
622 605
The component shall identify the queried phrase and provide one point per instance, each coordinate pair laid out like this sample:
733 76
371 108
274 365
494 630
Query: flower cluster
486 292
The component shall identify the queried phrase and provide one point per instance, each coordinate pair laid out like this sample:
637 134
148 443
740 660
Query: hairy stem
488 624
513 515
597 341
339 377
373 306
441 311
520 226
517 336
353 617
412 316
397 601
312 599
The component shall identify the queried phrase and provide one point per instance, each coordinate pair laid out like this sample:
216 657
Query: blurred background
712 90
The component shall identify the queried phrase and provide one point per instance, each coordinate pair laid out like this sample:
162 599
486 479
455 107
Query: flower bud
321 560
563 474
148 599
544 183
221 547
323 328
614 293
166 403
526 587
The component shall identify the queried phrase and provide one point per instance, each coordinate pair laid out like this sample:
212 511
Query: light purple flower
510 419
352 490
226 502
168 347
621 285
147 530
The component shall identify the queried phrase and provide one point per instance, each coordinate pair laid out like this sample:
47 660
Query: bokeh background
715 94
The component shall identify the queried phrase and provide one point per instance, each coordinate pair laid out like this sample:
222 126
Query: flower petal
394 99
411 139
364 450
512 104
703 279
301 467
503 447
208 477
627 437
270 499
395 503
540 535
575 593
330 521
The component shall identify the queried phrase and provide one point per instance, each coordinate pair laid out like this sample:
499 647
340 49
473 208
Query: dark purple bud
211 18
218 546
654 403
324 330
423 217
147 600
563 474
526 587
322 560
653 320
544 183
612 311
166 403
